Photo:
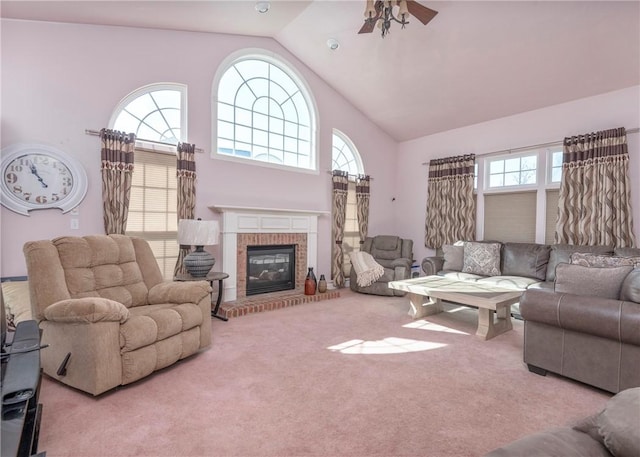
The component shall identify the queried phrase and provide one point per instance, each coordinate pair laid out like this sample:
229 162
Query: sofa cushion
555 442
627 252
599 282
630 290
481 258
459 276
453 257
525 259
561 253
598 260
509 282
618 423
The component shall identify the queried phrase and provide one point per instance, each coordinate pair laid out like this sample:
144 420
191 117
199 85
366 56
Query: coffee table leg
487 328
421 306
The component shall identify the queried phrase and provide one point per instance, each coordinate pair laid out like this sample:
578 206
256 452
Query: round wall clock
37 176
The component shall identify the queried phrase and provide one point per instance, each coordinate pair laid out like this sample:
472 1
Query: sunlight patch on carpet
389 345
426 325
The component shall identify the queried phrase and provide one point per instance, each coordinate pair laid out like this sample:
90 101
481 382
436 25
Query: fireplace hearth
270 268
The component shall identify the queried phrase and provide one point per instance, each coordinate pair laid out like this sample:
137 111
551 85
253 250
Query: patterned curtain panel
451 205
362 205
339 213
117 165
594 203
186 174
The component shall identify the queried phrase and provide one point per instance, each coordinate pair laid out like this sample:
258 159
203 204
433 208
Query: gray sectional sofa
614 431
580 304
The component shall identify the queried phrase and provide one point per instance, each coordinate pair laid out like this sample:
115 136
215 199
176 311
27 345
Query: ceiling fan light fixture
262 6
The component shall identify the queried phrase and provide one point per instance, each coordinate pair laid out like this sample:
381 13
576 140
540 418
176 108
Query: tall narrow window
157 114
265 114
345 157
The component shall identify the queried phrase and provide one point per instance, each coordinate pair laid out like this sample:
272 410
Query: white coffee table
425 295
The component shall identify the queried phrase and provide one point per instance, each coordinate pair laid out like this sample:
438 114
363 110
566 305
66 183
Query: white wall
615 109
60 79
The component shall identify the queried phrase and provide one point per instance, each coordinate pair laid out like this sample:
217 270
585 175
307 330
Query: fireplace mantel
250 209
239 219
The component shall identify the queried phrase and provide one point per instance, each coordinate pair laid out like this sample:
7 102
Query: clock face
40 177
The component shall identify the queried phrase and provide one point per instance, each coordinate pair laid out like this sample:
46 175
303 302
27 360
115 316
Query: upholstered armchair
395 254
106 313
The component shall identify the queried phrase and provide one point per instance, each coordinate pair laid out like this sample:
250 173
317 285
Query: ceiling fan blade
420 12
370 24
367 27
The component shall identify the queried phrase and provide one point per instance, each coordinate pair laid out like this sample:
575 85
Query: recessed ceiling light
262 7
333 44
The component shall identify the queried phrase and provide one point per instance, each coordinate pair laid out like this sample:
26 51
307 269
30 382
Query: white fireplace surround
239 219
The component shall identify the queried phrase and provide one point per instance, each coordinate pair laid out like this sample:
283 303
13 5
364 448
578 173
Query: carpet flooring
353 376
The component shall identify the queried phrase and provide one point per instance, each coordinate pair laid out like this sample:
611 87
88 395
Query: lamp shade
193 232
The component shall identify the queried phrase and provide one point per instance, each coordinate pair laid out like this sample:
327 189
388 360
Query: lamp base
199 262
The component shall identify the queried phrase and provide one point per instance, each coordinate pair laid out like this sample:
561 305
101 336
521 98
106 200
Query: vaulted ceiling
475 61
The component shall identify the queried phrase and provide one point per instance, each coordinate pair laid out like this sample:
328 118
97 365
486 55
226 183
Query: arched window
156 114
345 157
264 113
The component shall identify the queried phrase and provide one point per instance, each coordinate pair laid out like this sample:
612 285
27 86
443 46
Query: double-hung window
157 115
520 195
345 157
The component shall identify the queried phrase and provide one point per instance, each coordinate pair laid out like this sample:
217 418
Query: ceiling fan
382 12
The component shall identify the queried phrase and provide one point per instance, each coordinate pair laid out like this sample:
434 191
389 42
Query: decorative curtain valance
117 152
186 176
340 180
594 203
451 205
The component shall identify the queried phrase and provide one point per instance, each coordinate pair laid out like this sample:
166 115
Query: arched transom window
265 114
344 155
154 113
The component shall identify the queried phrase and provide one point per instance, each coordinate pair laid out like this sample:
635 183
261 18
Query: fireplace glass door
270 268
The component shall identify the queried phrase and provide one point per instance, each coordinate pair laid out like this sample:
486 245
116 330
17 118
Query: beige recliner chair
106 313
395 254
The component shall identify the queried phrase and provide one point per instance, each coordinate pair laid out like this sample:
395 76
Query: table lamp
198 233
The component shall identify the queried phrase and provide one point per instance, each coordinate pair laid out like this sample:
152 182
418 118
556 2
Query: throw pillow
618 423
453 257
17 302
630 290
481 258
598 260
598 282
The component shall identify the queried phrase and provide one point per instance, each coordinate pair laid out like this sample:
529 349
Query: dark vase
310 283
322 285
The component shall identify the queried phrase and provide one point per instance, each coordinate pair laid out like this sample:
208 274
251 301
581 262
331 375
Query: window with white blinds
551 216
510 217
153 206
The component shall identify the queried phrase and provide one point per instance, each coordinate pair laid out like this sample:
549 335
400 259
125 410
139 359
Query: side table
212 276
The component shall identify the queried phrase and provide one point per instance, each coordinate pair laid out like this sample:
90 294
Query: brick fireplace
245 226
299 240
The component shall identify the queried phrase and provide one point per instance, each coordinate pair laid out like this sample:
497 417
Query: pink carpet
353 376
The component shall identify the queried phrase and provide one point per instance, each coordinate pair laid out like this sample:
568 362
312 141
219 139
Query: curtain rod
535 146
330 172
97 133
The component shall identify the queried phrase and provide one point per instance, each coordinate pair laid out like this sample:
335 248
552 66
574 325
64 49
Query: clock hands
34 170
